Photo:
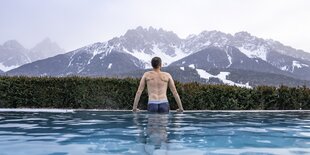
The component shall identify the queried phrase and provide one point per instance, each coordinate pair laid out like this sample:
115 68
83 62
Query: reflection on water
155 136
156 129
25 133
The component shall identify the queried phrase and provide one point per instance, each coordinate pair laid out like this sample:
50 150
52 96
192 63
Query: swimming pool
98 132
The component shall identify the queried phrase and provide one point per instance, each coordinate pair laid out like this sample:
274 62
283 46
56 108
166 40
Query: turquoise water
78 133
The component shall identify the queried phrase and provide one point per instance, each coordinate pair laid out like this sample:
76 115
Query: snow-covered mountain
44 49
93 60
231 57
134 49
202 53
144 44
225 61
285 58
13 54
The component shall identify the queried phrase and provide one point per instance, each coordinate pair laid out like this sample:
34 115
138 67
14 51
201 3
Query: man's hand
135 109
180 110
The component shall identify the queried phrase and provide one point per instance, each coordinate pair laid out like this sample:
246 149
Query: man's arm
139 92
175 93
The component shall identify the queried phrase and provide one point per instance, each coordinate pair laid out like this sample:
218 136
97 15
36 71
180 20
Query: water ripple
143 133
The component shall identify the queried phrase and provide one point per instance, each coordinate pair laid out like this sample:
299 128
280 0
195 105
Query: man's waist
152 101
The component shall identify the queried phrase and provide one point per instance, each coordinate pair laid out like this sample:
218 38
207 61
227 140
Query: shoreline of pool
115 110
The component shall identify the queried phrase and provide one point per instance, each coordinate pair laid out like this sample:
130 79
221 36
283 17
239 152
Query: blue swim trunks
158 106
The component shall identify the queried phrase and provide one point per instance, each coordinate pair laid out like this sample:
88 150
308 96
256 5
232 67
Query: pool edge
77 110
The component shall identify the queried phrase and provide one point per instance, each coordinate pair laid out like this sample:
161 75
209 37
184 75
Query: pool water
189 133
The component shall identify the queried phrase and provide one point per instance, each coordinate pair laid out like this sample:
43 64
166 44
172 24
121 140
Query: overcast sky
75 23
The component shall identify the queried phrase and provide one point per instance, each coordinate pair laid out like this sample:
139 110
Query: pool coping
115 110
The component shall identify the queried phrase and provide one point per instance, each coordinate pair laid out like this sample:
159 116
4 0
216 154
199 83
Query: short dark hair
156 62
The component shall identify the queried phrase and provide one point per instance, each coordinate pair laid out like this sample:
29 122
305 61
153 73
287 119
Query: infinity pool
190 133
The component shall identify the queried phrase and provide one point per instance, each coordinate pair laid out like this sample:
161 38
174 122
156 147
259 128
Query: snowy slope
92 60
221 76
261 50
5 67
144 44
230 57
156 51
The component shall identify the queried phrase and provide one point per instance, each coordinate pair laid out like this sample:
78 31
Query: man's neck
156 70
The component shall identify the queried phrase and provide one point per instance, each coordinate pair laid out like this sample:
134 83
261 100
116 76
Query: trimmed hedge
112 93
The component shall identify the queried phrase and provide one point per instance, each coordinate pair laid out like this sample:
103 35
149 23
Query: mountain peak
12 55
243 34
13 44
45 48
47 42
149 33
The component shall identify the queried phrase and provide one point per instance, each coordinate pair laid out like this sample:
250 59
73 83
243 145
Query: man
157 83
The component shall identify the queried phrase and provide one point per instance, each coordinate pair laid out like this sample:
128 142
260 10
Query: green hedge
111 93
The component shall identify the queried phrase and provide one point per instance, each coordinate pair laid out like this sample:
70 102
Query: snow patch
108 51
191 66
229 59
182 68
222 76
110 65
260 52
80 69
203 74
298 64
284 68
96 51
157 51
7 68
70 63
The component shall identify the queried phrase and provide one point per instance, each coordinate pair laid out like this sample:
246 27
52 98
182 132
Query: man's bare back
157 83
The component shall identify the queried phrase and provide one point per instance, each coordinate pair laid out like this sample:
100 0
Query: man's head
156 62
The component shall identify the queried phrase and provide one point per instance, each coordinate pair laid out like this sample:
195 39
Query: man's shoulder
147 72
166 73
